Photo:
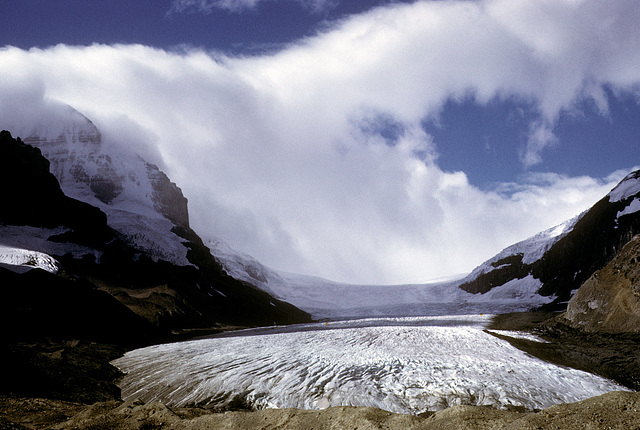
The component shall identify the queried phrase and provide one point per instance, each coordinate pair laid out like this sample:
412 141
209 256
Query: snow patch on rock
523 290
633 207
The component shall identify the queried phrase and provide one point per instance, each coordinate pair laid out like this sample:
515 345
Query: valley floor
68 385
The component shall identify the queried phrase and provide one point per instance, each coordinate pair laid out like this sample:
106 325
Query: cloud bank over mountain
314 159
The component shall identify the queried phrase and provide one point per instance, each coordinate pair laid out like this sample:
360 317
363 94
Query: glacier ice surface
406 365
20 260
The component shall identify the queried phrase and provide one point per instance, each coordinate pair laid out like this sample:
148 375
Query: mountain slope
111 254
566 256
139 200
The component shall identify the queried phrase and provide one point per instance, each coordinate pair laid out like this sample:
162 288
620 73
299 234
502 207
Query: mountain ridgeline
572 257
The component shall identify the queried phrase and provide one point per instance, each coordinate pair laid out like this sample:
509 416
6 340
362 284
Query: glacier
325 299
404 365
20 260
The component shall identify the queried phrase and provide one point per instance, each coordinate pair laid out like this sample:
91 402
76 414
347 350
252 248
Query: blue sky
364 141
166 23
484 140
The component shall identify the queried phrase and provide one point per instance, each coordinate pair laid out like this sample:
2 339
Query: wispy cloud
540 137
278 155
208 6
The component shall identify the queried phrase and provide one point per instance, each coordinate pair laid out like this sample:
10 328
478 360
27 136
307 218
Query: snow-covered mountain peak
54 121
140 201
73 146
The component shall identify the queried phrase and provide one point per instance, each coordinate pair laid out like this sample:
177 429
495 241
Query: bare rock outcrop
609 301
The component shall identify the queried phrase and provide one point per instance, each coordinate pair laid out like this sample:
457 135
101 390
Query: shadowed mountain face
31 195
568 259
105 288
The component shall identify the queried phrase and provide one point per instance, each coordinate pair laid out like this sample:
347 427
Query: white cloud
277 154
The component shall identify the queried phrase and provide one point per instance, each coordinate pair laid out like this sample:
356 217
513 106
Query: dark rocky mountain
104 287
564 260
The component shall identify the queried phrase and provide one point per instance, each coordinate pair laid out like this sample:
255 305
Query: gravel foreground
615 410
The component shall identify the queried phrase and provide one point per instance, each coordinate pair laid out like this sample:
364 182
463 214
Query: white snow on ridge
628 187
406 365
532 249
245 268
